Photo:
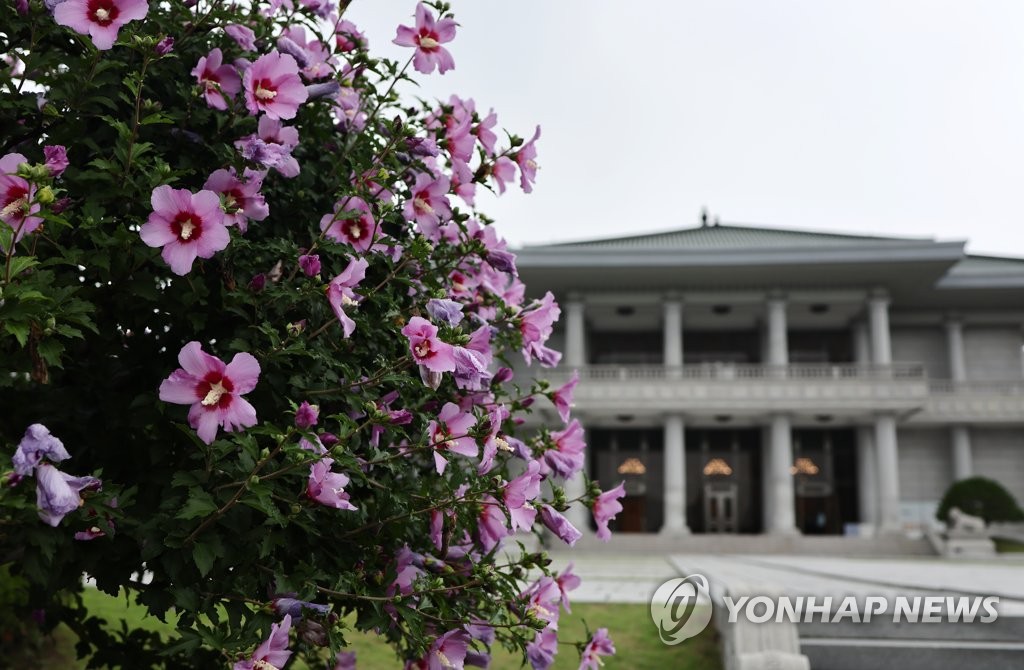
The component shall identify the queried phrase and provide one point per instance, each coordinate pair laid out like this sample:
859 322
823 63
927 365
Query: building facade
754 380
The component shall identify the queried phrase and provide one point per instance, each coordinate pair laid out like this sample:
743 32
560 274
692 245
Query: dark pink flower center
103 12
211 79
354 229
215 391
14 202
264 91
187 226
428 40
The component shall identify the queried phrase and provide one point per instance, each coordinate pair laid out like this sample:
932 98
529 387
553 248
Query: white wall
926 469
992 353
999 454
922 345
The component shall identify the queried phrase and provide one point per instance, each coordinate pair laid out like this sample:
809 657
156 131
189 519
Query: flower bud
45 195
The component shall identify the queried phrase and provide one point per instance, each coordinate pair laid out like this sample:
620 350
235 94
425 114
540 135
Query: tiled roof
730 237
987 266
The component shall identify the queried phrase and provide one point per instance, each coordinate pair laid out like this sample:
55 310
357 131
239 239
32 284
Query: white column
675 477
861 344
963 465
888 474
783 513
867 474
778 345
575 334
878 318
955 346
673 332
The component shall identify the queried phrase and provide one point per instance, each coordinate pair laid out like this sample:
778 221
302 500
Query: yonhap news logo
681 608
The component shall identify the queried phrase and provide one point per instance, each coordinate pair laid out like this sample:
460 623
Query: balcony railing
755 371
995 388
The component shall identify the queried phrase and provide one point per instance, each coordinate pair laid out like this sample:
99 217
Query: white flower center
263 665
355 231
265 93
213 396
102 14
187 228
421 350
531 164
502 444
15 206
347 301
422 205
428 42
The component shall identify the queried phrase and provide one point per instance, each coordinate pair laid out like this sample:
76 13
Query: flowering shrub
257 343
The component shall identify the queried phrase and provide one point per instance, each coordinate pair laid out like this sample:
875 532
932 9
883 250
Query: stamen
428 42
265 93
213 397
422 205
102 14
186 229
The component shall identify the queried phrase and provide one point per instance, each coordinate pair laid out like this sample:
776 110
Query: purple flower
600 645
244 37
36 445
219 81
345 660
541 652
273 651
503 261
293 607
57 493
427 350
445 311
100 19
606 507
563 396
359 230
213 389
306 415
449 650
187 225
328 89
56 159
566 459
450 433
559 525
310 264
164 46
340 294
326 487
89 534
272 85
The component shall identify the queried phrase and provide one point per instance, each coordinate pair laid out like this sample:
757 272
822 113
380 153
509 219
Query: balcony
974 402
738 389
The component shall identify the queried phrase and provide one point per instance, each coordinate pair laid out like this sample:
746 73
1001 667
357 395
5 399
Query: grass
1008 546
630 627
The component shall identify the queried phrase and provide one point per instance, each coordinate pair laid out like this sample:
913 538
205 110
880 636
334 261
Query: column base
784 532
675 532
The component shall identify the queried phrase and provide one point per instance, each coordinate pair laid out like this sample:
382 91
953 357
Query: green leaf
199 504
22 263
205 553
19 330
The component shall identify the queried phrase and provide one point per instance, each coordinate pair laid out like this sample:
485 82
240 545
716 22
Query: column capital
776 295
879 295
574 297
672 296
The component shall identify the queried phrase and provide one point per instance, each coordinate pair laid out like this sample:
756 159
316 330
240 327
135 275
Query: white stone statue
962 523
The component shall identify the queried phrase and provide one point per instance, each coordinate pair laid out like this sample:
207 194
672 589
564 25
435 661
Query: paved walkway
622 578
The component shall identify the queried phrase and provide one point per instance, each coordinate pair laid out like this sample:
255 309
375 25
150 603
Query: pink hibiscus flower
213 389
327 487
428 205
427 350
273 86
606 507
99 19
340 294
273 652
427 37
241 199
449 433
526 158
187 225
359 231
219 81
16 195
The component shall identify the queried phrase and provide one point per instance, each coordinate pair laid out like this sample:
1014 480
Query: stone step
1003 629
889 654
644 543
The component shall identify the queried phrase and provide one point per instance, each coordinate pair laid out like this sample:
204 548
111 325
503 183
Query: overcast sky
900 117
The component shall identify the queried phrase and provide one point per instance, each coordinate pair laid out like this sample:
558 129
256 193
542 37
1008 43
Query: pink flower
426 348
503 170
310 264
243 36
347 37
567 581
517 495
566 459
56 159
272 146
599 645
606 507
427 37
326 487
100 19
541 652
57 493
563 396
359 230
187 225
220 82
16 196
450 433
273 652
525 157
213 389
340 294
241 200
272 85
449 650
536 326
485 134
428 205
306 415
559 525
490 524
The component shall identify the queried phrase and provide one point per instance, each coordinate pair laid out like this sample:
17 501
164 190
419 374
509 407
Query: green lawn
630 627
1008 546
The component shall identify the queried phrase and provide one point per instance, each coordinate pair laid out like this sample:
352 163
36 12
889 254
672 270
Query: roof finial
703 217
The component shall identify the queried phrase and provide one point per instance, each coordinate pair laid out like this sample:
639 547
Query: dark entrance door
723 480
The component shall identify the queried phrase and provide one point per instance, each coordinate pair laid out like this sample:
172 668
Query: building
756 380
